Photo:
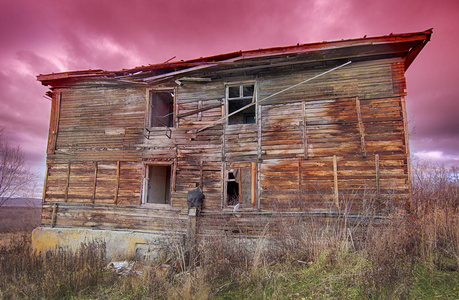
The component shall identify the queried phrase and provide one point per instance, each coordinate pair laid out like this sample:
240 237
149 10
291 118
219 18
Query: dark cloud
40 37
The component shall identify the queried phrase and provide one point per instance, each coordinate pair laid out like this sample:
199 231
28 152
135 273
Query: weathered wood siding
354 114
114 217
337 141
93 155
199 154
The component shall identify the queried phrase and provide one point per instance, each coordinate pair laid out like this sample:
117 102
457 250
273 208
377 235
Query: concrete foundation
120 244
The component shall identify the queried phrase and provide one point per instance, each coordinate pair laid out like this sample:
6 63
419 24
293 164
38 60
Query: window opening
239 186
157 187
161 108
238 96
232 189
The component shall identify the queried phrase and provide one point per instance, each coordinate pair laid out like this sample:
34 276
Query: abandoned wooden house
316 128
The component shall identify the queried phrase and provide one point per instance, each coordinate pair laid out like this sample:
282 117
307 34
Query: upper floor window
239 96
161 109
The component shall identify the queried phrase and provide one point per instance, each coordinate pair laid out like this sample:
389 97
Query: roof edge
423 36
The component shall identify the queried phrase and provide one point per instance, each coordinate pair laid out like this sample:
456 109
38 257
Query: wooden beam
199 110
53 216
254 184
195 79
361 127
66 193
117 186
58 118
174 174
224 181
378 188
299 176
54 124
409 203
305 131
259 126
335 179
94 183
201 182
239 180
45 186
176 108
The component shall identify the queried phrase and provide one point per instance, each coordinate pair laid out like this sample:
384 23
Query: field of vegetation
414 256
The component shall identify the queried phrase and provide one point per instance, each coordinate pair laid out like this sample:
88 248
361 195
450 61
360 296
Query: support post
305 131
200 175
335 179
361 127
239 181
409 203
57 120
378 187
299 175
254 184
45 186
66 193
192 228
117 187
94 183
53 216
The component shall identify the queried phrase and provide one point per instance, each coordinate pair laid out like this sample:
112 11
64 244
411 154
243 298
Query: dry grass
53 275
19 219
412 256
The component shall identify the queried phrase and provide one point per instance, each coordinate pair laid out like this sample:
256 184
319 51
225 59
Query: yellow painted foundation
120 244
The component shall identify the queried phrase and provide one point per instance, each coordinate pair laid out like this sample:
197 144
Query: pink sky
40 37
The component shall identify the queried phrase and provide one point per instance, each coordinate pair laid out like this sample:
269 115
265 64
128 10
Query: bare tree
14 173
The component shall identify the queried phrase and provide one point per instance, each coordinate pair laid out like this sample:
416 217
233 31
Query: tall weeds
53 275
310 257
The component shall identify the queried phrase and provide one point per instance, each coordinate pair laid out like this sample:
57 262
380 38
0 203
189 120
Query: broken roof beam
192 79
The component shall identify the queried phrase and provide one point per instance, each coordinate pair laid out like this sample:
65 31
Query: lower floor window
241 184
157 185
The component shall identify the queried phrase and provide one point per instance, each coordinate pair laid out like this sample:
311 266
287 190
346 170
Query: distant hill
22 202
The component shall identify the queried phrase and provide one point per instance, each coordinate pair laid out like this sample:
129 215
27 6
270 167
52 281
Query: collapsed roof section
406 46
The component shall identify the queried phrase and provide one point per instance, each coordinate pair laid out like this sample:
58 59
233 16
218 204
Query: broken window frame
169 184
242 99
251 198
150 117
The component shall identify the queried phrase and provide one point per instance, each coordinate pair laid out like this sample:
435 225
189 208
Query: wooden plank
224 185
361 127
335 181
117 186
254 184
45 186
94 183
304 131
199 110
259 131
299 175
66 193
239 180
58 118
53 217
174 175
200 175
407 151
378 186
